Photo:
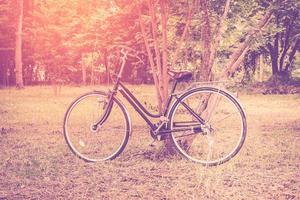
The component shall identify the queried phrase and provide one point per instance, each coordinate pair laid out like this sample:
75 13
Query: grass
35 162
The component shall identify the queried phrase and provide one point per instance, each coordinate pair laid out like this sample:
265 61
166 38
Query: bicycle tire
195 147
105 142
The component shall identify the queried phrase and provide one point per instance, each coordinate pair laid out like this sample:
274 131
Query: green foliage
7 26
60 35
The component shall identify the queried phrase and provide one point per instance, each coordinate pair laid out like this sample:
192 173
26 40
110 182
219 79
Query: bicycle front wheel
109 139
220 132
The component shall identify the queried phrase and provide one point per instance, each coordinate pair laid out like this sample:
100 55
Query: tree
155 36
18 53
7 41
158 69
66 33
206 39
284 42
237 56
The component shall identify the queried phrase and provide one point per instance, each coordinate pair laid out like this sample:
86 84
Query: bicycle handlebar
126 48
126 51
124 57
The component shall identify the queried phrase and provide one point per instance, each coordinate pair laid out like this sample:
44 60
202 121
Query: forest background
74 42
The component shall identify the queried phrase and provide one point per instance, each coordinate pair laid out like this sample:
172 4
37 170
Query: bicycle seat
181 75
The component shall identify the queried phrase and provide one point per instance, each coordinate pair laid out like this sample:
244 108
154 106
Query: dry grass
35 162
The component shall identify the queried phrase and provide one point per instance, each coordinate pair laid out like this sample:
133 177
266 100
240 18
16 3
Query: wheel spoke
226 117
224 130
108 140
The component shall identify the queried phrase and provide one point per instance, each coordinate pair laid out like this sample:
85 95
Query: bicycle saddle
180 75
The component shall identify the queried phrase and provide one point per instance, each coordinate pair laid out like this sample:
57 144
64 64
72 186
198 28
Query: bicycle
206 124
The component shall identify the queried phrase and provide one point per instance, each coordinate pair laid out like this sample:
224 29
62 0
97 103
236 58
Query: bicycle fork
107 106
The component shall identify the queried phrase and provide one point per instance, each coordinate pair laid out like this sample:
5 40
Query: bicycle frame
145 114
141 110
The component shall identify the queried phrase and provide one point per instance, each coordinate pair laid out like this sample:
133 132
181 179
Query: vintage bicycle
206 124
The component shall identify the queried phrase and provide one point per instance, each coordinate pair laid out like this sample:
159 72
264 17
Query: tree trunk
105 54
18 51
165 76
168 144
256 67
286 41
292 55
237 57
183 36
92 70
274 54
282 51
261 68
151 61
154 28
206 38
218 34
83 68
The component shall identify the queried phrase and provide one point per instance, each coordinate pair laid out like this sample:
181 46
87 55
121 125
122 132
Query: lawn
35 162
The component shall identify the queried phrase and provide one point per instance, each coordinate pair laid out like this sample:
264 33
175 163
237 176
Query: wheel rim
227 136
109 139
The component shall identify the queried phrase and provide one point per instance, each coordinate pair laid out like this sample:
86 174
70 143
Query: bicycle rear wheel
110 138
223 132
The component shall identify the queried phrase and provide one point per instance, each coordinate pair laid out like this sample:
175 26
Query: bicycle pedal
152 144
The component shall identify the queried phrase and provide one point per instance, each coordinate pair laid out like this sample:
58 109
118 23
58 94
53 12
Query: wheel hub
93 128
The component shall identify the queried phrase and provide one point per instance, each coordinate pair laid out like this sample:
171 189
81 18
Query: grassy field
35 162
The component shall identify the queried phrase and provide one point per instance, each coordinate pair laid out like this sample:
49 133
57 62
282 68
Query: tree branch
186 27
292 54
218 33
242 49
286 42
151 60
154 34
156 47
